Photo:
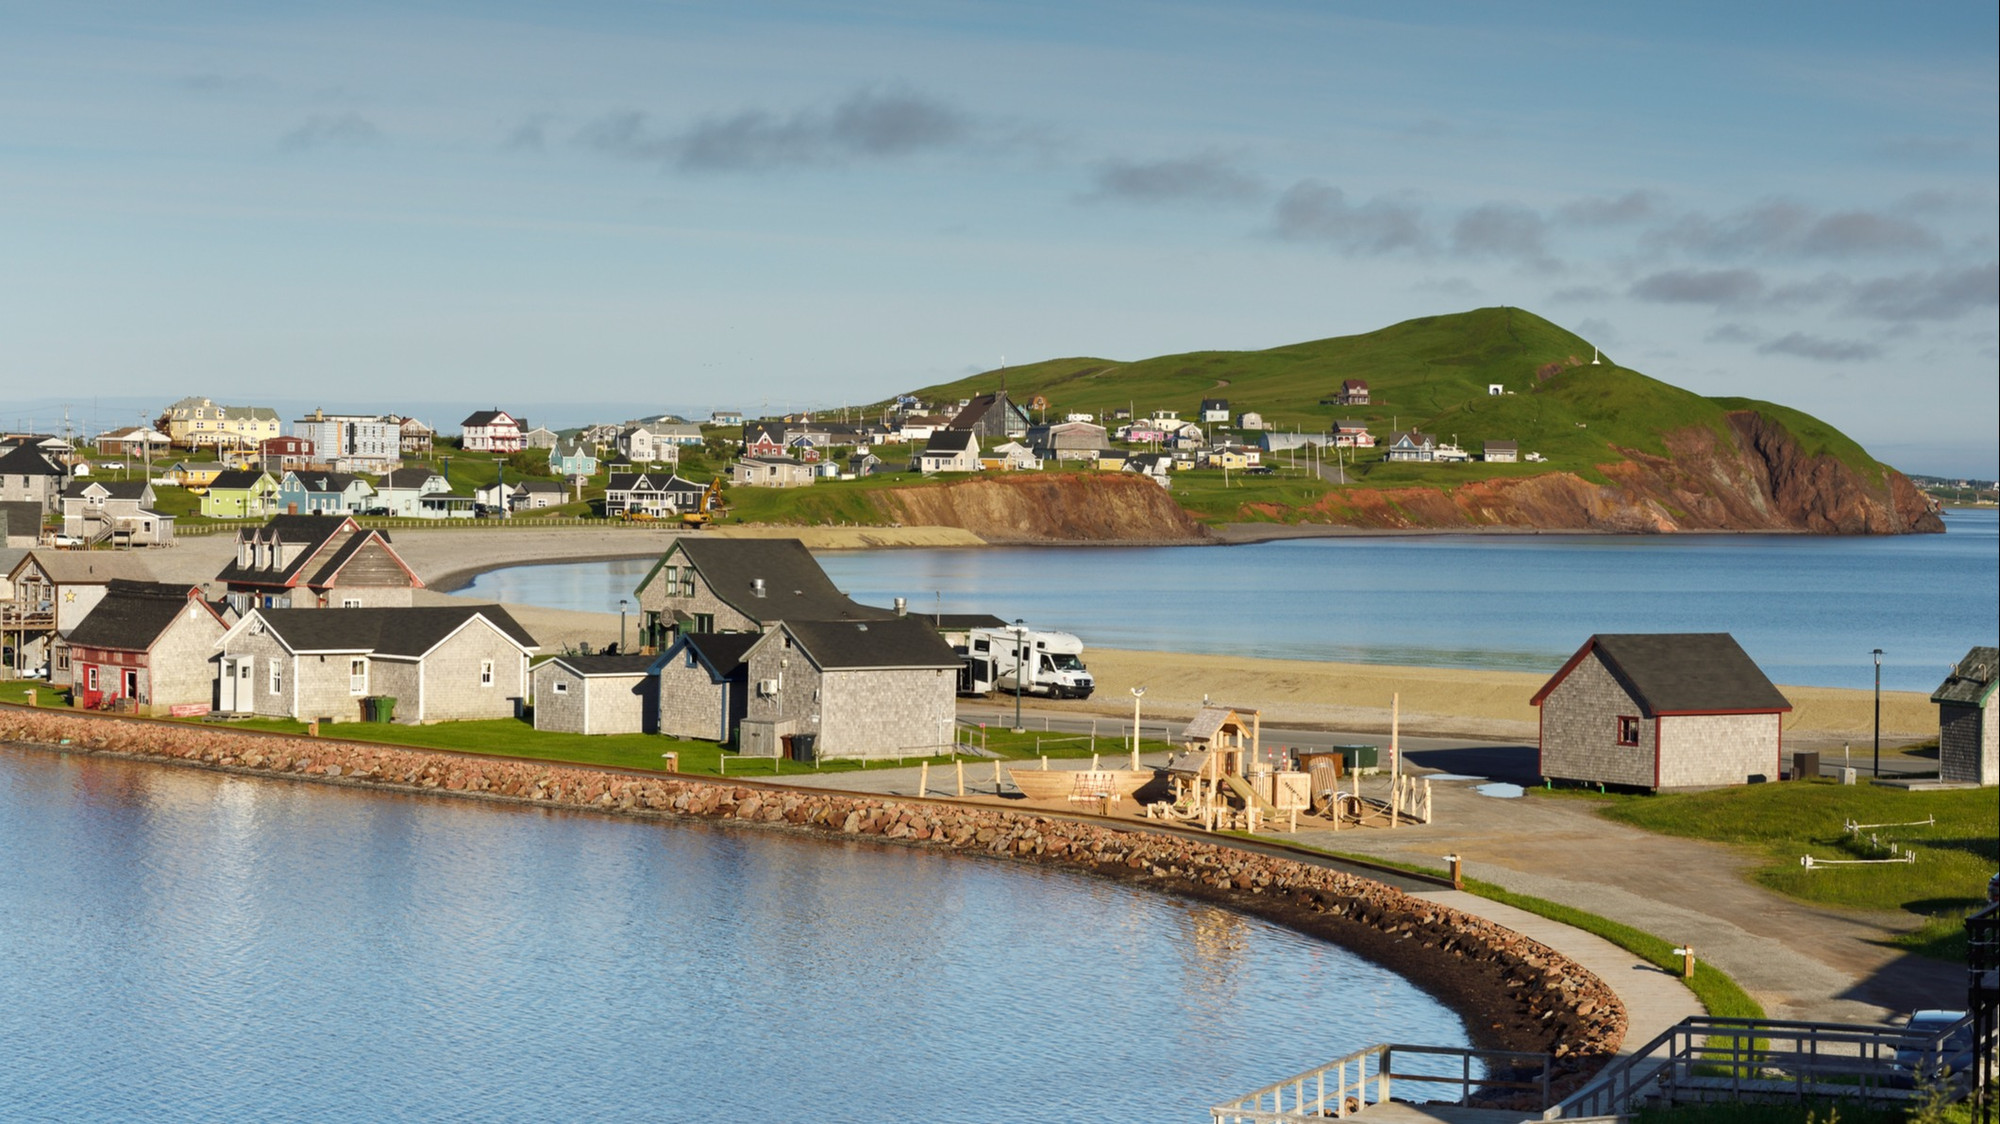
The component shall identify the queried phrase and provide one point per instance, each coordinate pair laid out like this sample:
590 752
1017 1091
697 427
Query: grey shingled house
1661 711
861 688
1968 736
703 685
316 562
738 585
595 695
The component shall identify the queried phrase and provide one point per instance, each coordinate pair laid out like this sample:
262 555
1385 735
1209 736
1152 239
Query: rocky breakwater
1514 992
1049 507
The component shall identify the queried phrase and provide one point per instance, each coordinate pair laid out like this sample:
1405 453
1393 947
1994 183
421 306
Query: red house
146 647
280 453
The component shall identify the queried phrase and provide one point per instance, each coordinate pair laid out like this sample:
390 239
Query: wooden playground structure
1222 780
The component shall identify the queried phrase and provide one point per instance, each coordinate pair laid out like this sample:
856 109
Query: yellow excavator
705 512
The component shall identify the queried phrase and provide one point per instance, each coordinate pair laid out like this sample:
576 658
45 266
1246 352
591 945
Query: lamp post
622 602
1020 644
1137 694
1878 712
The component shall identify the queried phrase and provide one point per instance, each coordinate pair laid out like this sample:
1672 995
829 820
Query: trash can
385 708
802 747
368 709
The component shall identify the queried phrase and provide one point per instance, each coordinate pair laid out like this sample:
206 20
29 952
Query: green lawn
1780 822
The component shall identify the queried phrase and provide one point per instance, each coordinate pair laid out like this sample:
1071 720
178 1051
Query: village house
726 417
573 459
352 442
119 512
28 475
132 441
948 450
764 439
492 431
194 423
993 417
702 685
1215 410
1010 456
804 446
771 472
648 444
595 695
315 562
277 454
1070 440
918 427
1155 465
535 495
53 590
738 585
1112 460
1279 441
865 463
1249 419
243 493
860 689
403 492
1968 735
1661 711
1354 392
1412 445
1351 434
194 476
437 663
1501 452
146 647
542 437
333 493
416 438
658 494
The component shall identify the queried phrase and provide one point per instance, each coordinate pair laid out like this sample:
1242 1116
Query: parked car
1259 470
1915 1063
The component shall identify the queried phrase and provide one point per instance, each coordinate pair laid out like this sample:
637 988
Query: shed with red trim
1661 711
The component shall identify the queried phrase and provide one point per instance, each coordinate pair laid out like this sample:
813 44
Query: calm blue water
180 945
1809 609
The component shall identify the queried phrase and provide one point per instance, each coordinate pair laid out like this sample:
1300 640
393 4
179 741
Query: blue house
328 493
571 457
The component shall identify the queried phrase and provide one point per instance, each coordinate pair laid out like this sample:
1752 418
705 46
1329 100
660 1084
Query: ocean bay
1808 608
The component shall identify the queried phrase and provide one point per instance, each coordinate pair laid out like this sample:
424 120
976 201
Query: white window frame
357 675
277 677
485 673
350 602
562 687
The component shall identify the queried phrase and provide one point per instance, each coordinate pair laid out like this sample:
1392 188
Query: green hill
1432 374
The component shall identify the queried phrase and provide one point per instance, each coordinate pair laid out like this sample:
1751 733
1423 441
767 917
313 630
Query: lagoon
185 945
1808 608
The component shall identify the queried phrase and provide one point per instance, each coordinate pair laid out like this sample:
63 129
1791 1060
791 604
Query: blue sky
606 209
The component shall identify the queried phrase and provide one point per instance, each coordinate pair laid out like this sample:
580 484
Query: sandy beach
1434 701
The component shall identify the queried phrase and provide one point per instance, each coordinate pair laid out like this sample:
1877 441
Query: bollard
961 777
671 762
1045 762
996 778
721 765
1457 872
31 697
312 728
923 778
1687 961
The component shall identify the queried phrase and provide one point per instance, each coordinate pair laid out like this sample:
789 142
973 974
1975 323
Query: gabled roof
895 642
960 622
775 460
83 567
1971 680
1679 673
1215 403
976 410
355 544
1508 446
406 633
795 588
720 652
591 667
328 483
533 486
310 532
26 460
949 441
237 479
490 417
113 489
411 478
133 614
1354 384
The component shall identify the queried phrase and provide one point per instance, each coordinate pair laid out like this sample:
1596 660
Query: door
131 684
225 687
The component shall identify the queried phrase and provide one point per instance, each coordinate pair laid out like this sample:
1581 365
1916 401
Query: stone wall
1515 992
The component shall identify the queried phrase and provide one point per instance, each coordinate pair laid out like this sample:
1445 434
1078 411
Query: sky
591 211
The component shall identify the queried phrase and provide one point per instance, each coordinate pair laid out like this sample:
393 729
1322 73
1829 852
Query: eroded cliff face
1757 479
1052 507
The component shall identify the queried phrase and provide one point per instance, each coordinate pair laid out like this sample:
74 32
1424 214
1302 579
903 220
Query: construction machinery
710 506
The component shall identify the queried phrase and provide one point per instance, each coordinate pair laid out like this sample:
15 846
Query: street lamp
622 602
1137 694
1020 645
1878 712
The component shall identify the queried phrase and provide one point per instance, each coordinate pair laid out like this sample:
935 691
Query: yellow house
1233 459
196 422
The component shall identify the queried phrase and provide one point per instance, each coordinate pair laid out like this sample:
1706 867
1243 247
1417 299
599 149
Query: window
704 622
562 687
1628 730
277 677
90 678
357 676
350 602
485 673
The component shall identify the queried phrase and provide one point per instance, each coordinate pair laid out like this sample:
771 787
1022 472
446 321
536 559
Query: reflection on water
181 945
1808 608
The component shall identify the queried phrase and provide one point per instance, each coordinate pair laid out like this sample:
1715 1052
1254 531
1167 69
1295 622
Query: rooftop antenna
1594 360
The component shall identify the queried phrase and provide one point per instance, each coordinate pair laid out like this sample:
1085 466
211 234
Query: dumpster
1359 758
385 708
802 747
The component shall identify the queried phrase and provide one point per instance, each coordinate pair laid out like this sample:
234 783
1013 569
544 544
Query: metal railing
1346 1086
1705 1058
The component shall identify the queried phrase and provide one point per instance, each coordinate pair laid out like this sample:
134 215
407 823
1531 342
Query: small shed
1223 730
595 695
1661 711
1968 736
702 684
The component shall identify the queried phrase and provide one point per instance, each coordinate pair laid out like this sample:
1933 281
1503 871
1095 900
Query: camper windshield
1061 663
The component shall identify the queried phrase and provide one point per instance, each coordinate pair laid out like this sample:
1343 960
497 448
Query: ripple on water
182 945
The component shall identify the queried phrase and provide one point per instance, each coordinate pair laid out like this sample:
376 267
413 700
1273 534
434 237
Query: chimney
902 606
756 587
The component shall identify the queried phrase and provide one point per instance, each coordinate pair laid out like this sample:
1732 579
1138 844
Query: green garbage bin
1355 758
385 708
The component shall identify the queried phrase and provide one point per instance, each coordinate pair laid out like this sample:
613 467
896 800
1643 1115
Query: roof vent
756 587
860 626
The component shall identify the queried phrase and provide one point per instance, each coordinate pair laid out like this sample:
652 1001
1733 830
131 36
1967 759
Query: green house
241 494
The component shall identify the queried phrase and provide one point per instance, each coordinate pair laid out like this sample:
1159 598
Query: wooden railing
1346 1086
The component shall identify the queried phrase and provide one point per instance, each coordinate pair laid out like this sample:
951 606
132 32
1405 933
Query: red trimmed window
1628 730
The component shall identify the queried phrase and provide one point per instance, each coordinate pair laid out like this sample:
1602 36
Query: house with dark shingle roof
116 511
331 493
859 688
995 417
1661 711
492 431
241 493
28 475
948 450
701 685
147 647
438 662
53 591
595 695
738 585
1968 735
316 562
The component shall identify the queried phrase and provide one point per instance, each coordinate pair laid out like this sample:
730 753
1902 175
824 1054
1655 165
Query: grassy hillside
1432 374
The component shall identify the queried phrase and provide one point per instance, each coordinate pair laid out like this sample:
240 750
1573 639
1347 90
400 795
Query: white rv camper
1053 663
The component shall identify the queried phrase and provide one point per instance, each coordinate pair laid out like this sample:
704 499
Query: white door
225 700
